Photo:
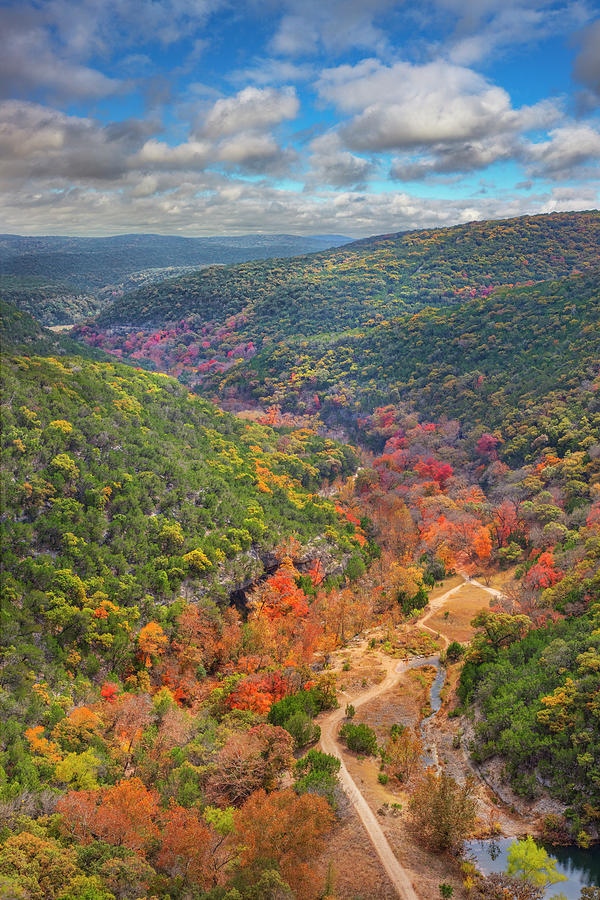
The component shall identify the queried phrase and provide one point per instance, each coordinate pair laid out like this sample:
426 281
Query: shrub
442 811
284 709
359 738
454 651
302 728
316 773
317 761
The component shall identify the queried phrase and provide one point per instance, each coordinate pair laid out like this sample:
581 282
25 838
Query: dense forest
507 361
133 514
63 280
48 268
366 281
178 579
356 327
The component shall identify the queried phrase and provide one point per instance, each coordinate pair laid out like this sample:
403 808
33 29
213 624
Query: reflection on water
582 867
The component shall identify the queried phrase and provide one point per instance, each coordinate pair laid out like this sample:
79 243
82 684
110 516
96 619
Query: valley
302 572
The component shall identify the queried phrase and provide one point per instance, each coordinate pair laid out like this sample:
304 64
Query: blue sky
354 117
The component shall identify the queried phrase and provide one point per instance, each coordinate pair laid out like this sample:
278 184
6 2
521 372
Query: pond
582 867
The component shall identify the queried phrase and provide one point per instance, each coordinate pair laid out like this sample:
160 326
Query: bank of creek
385 690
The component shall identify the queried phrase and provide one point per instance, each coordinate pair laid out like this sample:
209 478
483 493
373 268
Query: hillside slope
349 286
511 360
122 492
456 322
20 333
62 280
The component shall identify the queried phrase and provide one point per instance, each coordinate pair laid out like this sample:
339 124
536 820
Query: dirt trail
329 743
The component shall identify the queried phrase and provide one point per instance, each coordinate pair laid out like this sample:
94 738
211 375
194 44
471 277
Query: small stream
580 867
435 698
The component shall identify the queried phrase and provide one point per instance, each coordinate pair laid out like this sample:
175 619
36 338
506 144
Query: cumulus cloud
206 203
189 173
36 141
331 165
188 155
239 129
567 149
455 159
28 62
587 62
251 109
259 153
404 105
47 48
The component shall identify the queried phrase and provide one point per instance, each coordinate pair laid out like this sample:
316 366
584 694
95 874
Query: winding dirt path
329 743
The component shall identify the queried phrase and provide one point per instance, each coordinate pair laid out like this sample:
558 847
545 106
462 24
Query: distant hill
50 302
363 282
62 280
88 264
465 322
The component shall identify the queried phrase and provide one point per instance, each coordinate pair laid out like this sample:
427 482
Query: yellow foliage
61 425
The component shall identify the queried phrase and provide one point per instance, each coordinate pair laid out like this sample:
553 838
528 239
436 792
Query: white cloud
455 158
567 149
28 62
48 46
331 165
37 141
255 152
200 203
188 155
252 109
404 105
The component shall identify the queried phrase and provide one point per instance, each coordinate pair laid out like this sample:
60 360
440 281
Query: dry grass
355 867
404 704
461 608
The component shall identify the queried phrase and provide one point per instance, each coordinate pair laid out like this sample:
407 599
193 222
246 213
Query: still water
582 867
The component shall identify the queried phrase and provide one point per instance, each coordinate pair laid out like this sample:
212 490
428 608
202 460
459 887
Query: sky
353 117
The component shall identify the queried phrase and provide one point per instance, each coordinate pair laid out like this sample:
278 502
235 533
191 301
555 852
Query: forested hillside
92 263
51 302
178 580
457 324
347 287
61 280
21 333
524 360
341 322
130 487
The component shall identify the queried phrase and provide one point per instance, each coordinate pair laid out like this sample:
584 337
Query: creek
435 699
581 867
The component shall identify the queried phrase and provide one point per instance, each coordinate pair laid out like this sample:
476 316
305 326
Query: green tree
532 863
